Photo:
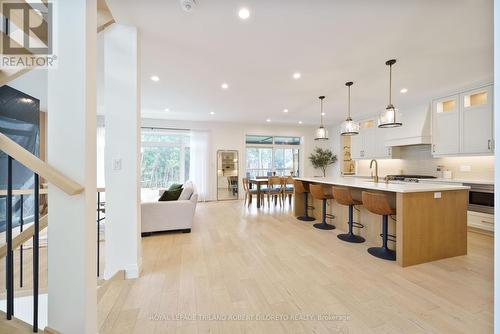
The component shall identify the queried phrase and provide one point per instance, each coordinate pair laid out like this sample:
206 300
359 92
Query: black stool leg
306 216
351 237
323 225
383 252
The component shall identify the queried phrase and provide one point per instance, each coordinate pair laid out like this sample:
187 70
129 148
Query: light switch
117 164
437 195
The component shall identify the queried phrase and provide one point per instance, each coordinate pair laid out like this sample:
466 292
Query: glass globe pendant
349 127
321 132
390 117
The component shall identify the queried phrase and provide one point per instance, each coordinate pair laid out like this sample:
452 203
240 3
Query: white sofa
172 215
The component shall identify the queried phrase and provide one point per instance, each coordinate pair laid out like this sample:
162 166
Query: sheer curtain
199 162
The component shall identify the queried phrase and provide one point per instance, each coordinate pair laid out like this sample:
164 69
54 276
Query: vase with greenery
322 158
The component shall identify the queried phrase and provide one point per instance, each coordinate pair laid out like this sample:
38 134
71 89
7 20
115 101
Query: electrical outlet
437 195
465 168
117 164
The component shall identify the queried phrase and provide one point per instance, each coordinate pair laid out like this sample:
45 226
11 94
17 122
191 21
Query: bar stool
343 196
303 188
319 192
378 204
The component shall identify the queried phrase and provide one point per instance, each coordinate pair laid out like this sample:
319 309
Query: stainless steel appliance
481 197
408 178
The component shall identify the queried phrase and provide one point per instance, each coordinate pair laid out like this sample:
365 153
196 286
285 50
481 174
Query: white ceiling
440 46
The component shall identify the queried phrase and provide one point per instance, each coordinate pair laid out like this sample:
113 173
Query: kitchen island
430 222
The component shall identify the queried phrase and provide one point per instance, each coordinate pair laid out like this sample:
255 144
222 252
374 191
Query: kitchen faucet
375 178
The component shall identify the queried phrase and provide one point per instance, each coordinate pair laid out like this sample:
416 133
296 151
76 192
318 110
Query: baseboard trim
50 330
131 271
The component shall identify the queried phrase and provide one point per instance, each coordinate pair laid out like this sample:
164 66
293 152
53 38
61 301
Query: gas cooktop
409 178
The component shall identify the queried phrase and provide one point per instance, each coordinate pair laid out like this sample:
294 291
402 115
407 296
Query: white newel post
72 149
122 152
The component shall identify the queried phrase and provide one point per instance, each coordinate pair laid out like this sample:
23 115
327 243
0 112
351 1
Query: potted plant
322 158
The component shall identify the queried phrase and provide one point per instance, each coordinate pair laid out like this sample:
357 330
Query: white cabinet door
357 146
477 120
382 151
369 137
446 125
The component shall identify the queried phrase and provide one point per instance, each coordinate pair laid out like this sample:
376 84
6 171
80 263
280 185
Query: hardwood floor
241 261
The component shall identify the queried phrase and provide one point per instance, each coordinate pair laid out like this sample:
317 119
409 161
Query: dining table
258 182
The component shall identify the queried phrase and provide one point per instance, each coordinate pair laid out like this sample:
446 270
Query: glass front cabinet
463 123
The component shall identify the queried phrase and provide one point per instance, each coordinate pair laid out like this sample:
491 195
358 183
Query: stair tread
15 326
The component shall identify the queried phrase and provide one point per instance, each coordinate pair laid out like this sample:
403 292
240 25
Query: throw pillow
170 195
187 191
175 186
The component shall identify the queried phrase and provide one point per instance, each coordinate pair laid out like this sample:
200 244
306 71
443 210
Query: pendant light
348 127
321 132
389 118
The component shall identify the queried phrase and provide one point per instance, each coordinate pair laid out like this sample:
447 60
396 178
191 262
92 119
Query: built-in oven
481 197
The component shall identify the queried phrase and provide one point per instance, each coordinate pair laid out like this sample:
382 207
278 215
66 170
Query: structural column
122 152
72 149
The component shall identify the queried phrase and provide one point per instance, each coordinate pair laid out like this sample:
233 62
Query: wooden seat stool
324 194
343 196
379 204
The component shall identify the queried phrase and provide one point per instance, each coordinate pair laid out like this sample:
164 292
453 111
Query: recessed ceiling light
285 110
268 120
155 78
212 113
244 13
404 90
323 114
297 75
300 122
166 109
224 86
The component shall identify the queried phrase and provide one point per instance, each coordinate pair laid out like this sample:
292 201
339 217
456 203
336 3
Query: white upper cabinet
477 120
446 126
463 123
370 142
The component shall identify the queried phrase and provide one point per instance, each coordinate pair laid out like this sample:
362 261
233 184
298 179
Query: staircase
57 179
8 322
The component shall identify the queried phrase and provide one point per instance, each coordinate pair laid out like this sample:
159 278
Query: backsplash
418 160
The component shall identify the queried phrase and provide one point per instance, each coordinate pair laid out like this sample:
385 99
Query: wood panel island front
430 222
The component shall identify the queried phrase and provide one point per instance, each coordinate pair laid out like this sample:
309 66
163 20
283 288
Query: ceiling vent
188 5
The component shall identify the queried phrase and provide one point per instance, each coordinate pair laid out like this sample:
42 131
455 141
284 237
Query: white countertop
441 180
396 187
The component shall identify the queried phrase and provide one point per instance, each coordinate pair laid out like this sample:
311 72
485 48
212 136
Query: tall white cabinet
463 123
370 142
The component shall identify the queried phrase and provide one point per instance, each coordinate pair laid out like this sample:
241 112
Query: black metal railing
9 265
100 210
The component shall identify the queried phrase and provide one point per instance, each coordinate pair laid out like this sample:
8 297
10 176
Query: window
287 140
266 155
164 158
270 140
259 161
286 161
251 139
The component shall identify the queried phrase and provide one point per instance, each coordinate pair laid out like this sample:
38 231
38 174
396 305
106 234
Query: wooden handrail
40 167
24 236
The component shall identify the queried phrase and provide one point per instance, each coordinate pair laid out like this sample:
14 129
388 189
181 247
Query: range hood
416 129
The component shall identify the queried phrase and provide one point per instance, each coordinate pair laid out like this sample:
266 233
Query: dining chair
274 190
250 192
287 188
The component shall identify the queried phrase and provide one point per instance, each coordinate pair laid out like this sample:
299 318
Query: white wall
231 136
72 302
122 131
